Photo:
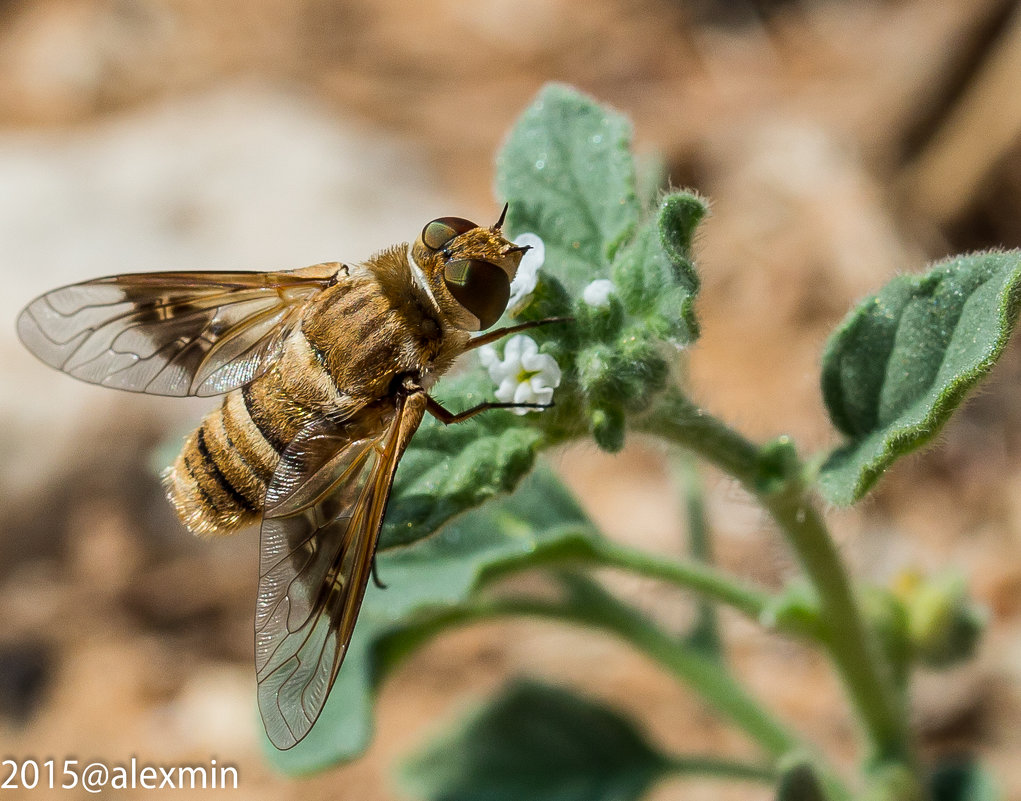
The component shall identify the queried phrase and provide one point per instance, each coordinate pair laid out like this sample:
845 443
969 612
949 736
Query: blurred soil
839 143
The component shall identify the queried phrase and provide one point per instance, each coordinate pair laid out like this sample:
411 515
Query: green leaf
901 362
539 743
569 177
423 580
450 469
655 276
651 178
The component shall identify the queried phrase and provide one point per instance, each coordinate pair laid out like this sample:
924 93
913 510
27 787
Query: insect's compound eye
482 288
440 231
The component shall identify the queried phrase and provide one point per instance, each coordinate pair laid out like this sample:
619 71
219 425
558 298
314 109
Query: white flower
597 294
527 275
523 375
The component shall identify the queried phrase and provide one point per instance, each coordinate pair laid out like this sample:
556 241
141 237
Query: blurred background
839 142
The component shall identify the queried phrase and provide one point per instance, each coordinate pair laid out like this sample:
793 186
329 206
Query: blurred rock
25 667
213 713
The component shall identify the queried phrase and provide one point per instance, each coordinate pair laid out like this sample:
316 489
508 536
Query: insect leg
447 417
375 574
500 333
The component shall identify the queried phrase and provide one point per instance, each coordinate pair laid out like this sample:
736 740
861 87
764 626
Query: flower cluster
523 375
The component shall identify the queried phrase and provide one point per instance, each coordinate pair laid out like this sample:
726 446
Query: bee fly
325 373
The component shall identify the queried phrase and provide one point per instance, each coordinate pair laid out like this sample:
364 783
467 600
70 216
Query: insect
325 373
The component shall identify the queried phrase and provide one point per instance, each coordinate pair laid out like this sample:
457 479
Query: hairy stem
851 644
707 582
586 549
584 602
716 687
721 768
706 632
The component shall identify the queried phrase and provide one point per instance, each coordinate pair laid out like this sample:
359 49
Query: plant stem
853 647
592 549
705 634
721 768
588 604
707 582
713 685
850 643
678 420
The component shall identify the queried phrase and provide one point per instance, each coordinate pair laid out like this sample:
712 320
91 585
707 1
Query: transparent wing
324 509
177 333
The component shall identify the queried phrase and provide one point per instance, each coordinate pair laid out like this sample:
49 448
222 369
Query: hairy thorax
376 324
357 340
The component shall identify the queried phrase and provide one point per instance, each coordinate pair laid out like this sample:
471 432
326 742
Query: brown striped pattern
357 334
218 482
385 329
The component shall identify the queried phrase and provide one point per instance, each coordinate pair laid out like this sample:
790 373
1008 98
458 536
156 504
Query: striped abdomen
358 335
218 482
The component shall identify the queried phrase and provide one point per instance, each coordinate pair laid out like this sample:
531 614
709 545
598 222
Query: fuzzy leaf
450 469
569 177
654 274
901 362
541 743
423 580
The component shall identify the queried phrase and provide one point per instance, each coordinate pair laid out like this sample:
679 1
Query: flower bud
777 464
893 782
799 780
796 609
596 374
645 370
601 322
944 624
608 427
547 299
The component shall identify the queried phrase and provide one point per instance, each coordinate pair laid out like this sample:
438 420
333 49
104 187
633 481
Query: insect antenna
503 215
